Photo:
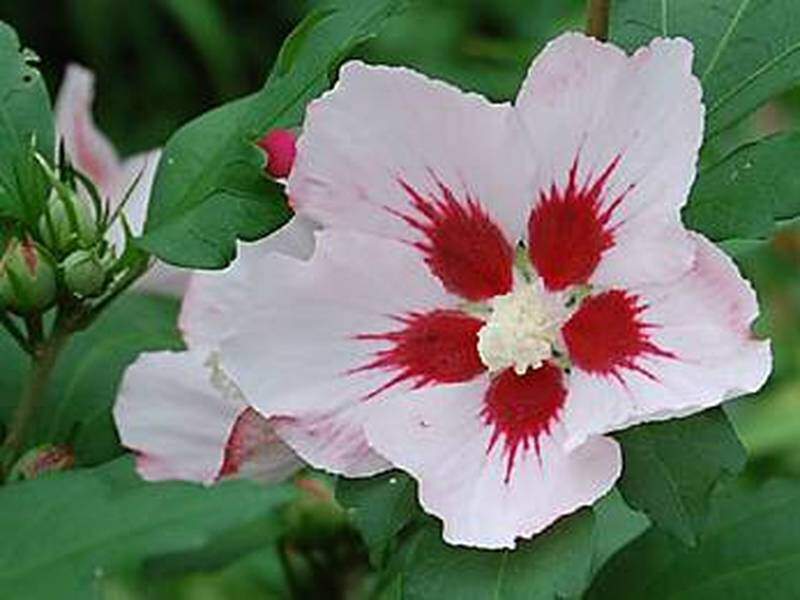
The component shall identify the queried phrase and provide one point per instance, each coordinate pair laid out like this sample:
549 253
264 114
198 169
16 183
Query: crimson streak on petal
607 335
568 230
464 248
436 347
250 431
523 408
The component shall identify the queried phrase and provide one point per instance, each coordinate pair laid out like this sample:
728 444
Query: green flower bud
86 273
41 460
70 222
27 278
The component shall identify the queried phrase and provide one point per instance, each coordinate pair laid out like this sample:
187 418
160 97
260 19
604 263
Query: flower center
521 329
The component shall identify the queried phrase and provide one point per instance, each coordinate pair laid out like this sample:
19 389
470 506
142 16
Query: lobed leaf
556 563
380 508
750 549
746 51
744 196
210 189
671 469
26 126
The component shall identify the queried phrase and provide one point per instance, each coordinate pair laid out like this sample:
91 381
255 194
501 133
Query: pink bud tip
280 146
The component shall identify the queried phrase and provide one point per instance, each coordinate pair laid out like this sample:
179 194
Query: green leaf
380 508
750 549
210 188
554 564
745 194
616 525
672 467
746 50
26 125
64 535
77 409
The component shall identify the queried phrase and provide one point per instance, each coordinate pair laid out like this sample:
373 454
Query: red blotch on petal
607 334
437 347
281 148
568 230
522 408
464 248
249 434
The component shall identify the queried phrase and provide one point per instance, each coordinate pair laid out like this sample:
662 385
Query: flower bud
280 146
27 278
41 460
70 222
86 273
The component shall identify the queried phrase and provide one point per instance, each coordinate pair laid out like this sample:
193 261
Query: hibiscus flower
182 415
496 287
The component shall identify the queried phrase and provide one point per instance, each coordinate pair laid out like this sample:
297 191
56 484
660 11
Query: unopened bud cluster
64 254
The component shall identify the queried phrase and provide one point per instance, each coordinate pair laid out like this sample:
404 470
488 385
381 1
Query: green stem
43 361
598 12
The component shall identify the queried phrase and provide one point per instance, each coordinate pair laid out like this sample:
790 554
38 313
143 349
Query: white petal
438 436
293 343
89 150
183 418
214 297
588 101
704 319
382 124
299 326
333 442
170 414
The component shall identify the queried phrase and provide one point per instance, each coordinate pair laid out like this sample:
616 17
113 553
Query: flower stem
43 360
598 12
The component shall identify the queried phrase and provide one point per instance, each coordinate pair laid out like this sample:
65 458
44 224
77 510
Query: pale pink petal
301 325
439 437
381 126
332 441
186 420
294 350
587 104
168 412
701 324
89 150
213 298
255 451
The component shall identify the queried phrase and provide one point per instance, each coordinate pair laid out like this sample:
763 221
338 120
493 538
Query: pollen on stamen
521 409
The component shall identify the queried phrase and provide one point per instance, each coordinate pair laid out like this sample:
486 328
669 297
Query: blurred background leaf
66 535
